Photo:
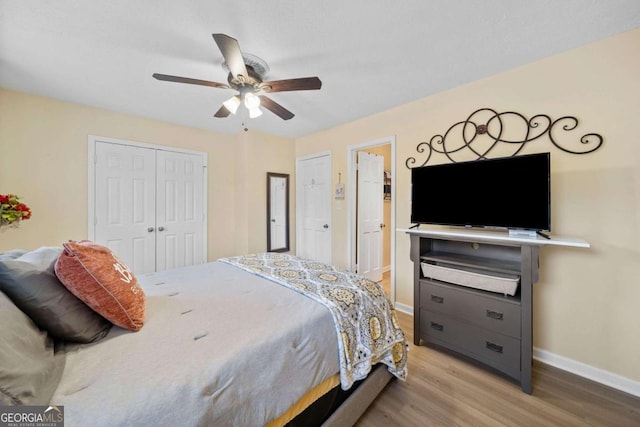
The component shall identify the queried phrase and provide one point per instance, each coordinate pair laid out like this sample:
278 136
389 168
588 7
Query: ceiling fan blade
232 55
222 112
305 83
275 108
178 79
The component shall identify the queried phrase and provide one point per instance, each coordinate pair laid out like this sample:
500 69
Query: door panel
370 215
180 215
125 203
313 180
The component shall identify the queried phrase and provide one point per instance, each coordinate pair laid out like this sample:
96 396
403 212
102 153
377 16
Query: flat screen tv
508 192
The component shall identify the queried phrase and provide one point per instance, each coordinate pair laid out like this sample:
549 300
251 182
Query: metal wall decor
483 129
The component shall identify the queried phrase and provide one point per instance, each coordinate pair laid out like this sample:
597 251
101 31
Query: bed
263 339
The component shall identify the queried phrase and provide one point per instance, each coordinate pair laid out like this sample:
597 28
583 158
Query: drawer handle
494 315
437 299
494 347
437 326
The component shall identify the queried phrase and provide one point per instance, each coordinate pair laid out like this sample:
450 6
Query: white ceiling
371 55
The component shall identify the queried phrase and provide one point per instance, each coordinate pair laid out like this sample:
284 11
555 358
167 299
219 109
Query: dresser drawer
496 350
494 313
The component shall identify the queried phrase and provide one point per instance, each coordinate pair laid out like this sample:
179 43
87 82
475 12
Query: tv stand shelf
489 264
490 327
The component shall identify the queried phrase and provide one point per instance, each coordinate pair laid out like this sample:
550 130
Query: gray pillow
29 369
32 285
12 254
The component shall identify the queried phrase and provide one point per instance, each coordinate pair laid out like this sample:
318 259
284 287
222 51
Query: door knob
382 226
273 220
325 226
150 229
160 228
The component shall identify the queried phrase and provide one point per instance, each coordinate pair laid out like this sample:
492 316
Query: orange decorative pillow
93 274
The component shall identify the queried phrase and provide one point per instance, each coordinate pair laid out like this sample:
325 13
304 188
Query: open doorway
362 244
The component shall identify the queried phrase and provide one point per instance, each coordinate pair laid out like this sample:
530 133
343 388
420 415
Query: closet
148 203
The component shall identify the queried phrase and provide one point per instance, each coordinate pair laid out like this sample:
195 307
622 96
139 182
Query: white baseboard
404 308
582 369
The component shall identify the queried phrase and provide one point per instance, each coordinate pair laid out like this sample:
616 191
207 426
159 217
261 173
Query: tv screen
508 192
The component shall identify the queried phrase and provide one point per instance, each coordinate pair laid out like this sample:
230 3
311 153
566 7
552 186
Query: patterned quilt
365 320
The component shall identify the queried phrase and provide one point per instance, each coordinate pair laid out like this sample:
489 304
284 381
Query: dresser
453 309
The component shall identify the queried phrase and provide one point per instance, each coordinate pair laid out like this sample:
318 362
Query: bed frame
339 408
358 401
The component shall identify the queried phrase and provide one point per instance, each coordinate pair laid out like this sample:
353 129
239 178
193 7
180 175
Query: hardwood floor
443 390
386 282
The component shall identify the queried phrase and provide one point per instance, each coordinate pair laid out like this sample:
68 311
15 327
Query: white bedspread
365 321
220 347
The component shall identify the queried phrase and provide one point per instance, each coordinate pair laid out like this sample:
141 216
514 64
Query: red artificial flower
12 211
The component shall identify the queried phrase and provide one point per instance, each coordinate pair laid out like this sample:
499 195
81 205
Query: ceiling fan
245 75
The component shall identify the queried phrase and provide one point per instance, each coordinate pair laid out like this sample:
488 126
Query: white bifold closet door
179 211
149 206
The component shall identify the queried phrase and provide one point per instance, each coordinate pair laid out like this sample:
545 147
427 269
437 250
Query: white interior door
125 203
370 215
313 188
179 212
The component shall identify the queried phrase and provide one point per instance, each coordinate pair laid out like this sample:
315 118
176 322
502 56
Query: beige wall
43 158
586 301
263 153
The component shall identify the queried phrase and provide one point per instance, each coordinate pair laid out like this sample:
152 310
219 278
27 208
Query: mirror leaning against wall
277 212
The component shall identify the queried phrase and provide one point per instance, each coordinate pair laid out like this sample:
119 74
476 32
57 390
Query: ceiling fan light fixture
246 75
232 104
254 112
251 101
